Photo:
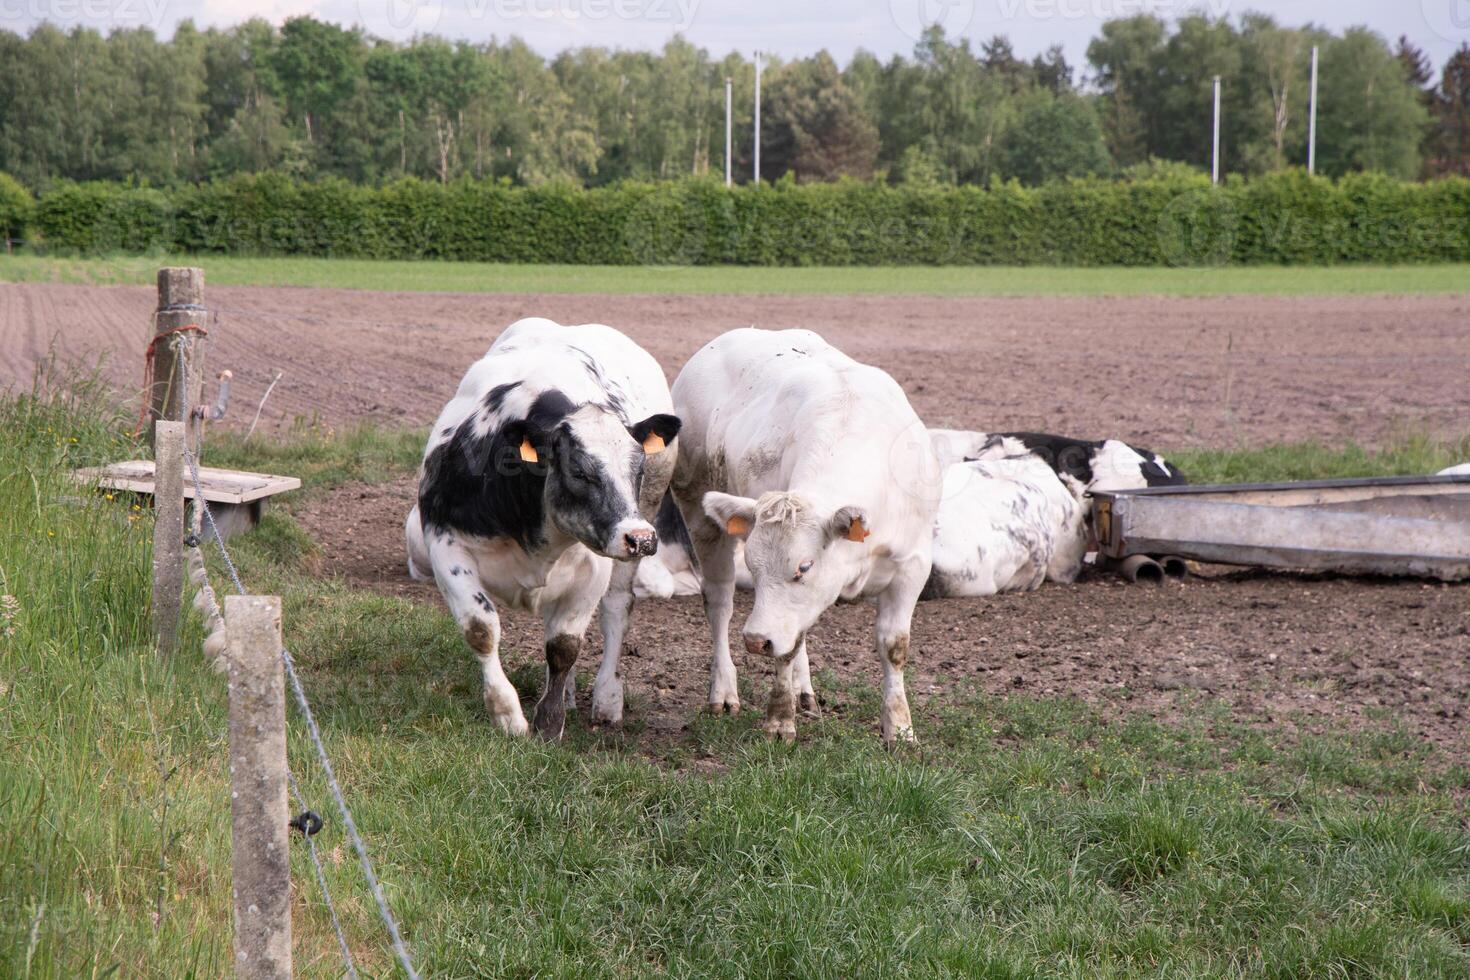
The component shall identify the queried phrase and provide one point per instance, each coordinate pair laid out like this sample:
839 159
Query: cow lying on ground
1460 469
821 466
1007 525
538 485
1104 465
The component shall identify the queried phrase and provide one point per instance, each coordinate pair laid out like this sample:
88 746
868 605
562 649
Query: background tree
815 128
1370 117
1450 140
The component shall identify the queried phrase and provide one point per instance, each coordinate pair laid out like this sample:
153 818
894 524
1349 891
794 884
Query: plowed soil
1304 653
1167 373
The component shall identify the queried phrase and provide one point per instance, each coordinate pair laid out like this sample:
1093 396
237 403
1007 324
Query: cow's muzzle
640 543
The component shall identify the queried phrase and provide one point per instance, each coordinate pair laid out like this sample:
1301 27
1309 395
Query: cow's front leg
895 615
567 615
781 709
614 614
801 682
469 603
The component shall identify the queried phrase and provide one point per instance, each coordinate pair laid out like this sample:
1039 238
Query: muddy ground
1167 373
1305 653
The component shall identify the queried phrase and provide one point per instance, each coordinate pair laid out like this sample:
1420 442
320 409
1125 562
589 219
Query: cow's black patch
669 523
1077 457
479 484
495 397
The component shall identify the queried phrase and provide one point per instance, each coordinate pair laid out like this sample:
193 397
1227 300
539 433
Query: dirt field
1166 373
1306 653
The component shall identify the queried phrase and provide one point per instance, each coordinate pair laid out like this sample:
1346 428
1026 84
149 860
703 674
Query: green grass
1027 837
477 277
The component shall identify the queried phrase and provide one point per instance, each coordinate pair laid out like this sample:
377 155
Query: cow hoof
729 706
808 706
782 728
607 705
550 721
903 736
512 724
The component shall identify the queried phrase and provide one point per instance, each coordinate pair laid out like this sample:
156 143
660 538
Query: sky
787 28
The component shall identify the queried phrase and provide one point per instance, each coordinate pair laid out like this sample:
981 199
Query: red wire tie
148 356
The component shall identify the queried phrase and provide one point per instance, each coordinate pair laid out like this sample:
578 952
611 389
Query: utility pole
757 164
729 172
1312 120
1215 153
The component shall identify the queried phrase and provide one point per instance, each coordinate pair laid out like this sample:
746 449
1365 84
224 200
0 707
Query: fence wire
400 949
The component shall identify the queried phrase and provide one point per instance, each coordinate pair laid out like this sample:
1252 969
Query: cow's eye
801 570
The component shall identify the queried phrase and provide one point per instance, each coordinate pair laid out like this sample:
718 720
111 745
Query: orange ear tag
857 531
737 526
528 452
654 444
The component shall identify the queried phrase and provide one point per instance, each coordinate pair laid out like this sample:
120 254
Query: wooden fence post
260 857
168 533
180 292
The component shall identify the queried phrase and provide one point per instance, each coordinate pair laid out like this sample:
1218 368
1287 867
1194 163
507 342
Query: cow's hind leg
716 553
801 683
469 603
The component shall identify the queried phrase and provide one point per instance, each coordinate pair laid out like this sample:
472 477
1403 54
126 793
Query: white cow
1460 469
821 466
538 486
1007 525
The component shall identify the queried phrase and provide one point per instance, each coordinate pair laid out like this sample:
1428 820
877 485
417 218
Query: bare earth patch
1168 373
1310 654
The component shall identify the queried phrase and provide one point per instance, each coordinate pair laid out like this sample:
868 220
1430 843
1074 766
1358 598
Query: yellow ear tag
857 531
654 443
528 452
737 526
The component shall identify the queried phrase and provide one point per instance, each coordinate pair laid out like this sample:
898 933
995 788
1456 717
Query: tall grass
1028 837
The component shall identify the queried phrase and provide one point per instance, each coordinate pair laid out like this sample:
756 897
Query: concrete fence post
168 533
260 857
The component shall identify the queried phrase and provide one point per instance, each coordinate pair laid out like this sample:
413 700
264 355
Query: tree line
311 99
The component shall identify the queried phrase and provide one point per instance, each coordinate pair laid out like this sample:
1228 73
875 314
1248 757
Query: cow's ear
735 514
655 432
850 523
529 443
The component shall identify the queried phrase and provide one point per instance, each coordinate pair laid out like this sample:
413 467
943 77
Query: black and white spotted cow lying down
1103 466
539 484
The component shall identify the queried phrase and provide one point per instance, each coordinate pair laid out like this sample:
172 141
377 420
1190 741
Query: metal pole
729 121
168 533
1215 152
757 165
1312 120
259 858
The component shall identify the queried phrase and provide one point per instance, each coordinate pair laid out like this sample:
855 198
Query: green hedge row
1284 218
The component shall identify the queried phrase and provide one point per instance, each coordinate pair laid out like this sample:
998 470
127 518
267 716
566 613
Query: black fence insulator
308 823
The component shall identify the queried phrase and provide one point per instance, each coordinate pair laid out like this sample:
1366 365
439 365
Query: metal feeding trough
1403 525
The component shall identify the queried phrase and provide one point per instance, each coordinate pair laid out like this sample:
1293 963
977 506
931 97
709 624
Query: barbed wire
400 949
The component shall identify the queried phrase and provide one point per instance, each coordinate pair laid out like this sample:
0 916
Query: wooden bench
236 498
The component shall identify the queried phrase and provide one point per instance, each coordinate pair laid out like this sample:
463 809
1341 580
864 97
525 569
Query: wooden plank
220 485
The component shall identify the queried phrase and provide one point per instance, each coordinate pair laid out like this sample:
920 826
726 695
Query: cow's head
1074 535
593 465
800 556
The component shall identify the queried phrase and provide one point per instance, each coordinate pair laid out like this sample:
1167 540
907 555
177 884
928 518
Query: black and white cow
1101 466
821 466
539 483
